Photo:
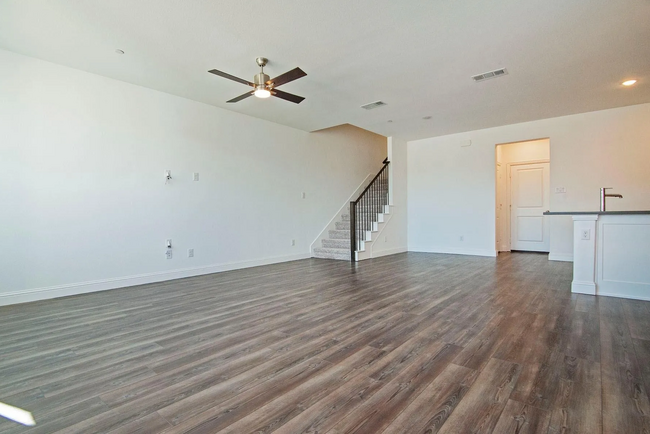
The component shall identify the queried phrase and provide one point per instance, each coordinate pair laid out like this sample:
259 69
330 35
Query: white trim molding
49 292
583 287
564 257
387 252
624 295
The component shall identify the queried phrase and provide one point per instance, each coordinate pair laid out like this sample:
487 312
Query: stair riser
332 254
332 250
339 235
336 244
338 258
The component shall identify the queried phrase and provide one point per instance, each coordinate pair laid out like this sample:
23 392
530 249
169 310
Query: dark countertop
595 212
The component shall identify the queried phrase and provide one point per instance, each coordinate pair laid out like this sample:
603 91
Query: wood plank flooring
410 343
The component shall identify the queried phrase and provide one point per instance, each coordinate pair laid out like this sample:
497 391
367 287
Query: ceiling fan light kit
263 86
262 93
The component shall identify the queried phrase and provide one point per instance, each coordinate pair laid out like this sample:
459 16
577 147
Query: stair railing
364 210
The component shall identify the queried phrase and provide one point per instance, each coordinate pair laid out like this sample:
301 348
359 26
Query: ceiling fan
263 86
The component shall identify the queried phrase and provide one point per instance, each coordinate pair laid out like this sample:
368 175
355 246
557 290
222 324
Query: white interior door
529 198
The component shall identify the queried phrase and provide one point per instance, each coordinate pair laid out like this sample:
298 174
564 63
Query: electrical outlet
462 238
586 234
304 195
169 253
196 176
560 189
385 239
293 242
190 253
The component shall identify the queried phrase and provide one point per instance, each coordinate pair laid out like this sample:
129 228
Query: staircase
368 216
337 245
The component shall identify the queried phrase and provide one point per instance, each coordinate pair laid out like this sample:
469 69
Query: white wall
451 189
85 206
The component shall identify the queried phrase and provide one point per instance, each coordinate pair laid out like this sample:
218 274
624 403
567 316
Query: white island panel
623 256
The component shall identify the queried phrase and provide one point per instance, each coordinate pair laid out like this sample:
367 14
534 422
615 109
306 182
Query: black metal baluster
365 214
363 211
374 205
353 235
382 189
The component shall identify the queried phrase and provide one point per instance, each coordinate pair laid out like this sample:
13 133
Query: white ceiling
563 56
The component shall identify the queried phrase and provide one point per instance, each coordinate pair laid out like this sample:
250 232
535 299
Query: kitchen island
611 253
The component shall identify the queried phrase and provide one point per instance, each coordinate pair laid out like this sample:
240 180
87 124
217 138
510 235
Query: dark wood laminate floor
411 343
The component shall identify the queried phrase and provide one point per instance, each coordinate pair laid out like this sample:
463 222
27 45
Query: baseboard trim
455 251
564 257
588 288
50 292
629 297
388 252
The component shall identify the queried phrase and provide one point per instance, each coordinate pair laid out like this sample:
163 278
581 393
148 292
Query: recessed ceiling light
118 51
629 82
390 120
427 117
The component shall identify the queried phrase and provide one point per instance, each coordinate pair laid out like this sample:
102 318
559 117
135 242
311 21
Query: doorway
523 184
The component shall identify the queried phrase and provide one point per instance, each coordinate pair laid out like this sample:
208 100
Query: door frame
508 198
498 213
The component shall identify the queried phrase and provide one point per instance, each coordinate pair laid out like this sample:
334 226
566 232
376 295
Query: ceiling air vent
373 105
491 74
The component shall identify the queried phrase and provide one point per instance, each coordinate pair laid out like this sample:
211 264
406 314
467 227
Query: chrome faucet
603 195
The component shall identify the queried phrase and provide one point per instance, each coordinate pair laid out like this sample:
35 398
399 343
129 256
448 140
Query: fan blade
292 75
287 96
241 97
230 77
